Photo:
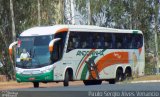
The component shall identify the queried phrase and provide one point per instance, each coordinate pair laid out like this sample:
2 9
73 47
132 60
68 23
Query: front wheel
36 84
66 79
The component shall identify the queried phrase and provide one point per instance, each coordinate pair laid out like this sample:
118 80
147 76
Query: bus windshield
32 52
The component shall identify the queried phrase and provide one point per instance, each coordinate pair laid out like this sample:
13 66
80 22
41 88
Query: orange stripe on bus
111 59
140 50
62 30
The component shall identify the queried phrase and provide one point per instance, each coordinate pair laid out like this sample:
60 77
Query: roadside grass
147 77
142 78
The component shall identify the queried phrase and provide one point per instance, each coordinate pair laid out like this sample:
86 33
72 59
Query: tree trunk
39 13
89 12
13 31
13 23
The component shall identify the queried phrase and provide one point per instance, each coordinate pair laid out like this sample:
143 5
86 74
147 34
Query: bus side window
70 43
102 40
84 44
90 41
108 41
97 41
128 41
137 42
84 40
125 41
119 41
73 42
140 41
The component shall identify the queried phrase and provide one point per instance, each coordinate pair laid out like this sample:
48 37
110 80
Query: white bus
64 53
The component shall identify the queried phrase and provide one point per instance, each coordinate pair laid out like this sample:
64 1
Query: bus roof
49 30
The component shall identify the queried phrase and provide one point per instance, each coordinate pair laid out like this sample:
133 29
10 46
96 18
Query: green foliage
150 66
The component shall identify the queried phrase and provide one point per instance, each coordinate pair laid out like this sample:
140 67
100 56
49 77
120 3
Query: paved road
102 87
128 90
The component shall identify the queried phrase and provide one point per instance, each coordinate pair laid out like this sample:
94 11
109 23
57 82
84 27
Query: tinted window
128 41
108 40
119 40
87 40
42 40
99 40
137 41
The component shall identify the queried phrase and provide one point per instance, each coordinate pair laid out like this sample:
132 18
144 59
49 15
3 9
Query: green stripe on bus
85 69
83 59
80 63
84 72
103 50
135 31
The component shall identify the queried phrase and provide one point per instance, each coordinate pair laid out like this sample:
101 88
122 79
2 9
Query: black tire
36 84
66 79
87 82
92 82
97 82
112 81
128 74
119 75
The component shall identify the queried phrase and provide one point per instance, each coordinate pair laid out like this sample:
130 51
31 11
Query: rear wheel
66 79
92 82
119 77
36 84
128 74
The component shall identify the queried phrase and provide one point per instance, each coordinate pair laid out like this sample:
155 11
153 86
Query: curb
146 81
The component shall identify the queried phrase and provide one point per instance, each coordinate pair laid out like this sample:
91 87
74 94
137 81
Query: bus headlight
47 69
18 70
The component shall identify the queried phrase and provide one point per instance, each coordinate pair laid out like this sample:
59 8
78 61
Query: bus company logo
94 53
117 55
9 94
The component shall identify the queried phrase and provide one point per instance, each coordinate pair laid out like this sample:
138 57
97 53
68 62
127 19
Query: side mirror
11 47
51 44
1 65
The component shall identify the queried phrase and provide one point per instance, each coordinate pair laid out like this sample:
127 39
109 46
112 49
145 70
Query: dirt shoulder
15 85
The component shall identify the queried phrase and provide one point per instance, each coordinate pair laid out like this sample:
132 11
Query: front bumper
44 77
